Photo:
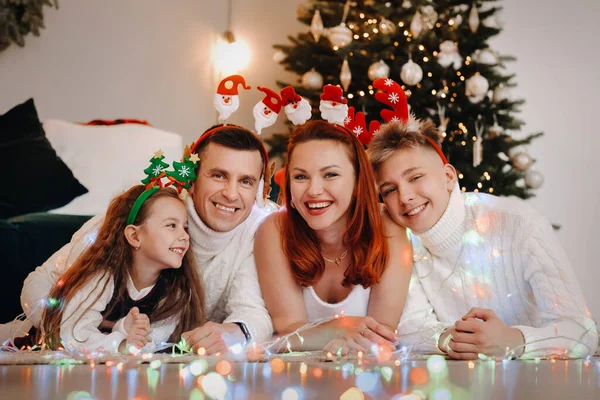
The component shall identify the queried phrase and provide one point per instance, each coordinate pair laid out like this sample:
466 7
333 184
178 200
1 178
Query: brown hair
398 135
230 136
364 234
111 256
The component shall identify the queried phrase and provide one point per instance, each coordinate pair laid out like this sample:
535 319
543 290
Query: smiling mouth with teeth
223 208
316 206
416 210
177 250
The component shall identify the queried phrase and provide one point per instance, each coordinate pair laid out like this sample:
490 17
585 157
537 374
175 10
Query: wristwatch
245 331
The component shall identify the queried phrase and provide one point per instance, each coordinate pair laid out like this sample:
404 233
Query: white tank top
355 305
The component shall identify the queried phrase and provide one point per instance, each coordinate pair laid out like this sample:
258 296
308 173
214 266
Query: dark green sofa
25 243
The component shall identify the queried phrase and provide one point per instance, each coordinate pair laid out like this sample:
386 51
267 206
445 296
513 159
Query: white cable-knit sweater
225 261
496 253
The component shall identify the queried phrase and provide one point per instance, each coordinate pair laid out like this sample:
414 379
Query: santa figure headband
334 109
180 177
226 102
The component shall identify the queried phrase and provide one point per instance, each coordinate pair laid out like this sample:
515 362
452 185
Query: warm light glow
277 365
231 58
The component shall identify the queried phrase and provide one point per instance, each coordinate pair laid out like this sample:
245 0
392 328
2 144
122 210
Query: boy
490 268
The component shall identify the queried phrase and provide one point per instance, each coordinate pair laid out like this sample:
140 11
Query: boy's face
226 186
416 187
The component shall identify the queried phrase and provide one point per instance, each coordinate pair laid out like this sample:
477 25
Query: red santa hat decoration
226 99
333 105
266 111
297 109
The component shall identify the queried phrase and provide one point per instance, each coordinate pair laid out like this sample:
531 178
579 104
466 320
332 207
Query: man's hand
482 331
214 338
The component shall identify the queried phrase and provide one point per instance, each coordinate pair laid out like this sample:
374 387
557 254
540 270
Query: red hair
364 234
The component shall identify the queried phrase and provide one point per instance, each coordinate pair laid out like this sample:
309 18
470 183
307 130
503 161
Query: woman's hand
361 334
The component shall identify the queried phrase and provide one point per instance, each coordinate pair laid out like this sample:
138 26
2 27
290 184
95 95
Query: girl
136 285
329 251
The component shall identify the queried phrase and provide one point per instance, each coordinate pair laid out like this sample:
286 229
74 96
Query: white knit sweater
496 253
225 260
83 314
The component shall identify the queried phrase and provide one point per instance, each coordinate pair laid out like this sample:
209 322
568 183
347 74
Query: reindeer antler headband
392 95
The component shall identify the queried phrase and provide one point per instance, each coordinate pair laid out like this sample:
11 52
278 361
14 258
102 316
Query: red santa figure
296 108
333 106
266 111
227 100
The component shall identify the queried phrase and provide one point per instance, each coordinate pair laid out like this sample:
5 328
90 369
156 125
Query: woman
331 251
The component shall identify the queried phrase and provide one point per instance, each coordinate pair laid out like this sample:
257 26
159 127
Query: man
222 222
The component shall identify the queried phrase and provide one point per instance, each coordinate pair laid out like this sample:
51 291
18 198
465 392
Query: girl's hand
138 329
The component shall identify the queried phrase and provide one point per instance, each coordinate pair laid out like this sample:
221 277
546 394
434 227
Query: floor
299 378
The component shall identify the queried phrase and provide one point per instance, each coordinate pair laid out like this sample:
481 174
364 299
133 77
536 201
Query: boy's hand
482 331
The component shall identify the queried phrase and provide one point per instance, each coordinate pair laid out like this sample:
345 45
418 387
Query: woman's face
322 180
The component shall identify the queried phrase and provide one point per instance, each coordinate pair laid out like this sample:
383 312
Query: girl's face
322 180
163 235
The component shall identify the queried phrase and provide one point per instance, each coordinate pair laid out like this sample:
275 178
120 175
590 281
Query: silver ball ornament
378 70
521 161
411 73
312 80
534 179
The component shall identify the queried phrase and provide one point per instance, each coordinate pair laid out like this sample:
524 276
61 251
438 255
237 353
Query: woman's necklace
338 260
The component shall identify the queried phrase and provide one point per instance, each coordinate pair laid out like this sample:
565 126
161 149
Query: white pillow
107 160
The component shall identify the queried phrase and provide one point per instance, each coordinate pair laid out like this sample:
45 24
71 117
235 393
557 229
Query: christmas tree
439 52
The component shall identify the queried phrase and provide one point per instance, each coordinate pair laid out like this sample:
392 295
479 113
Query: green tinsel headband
181 177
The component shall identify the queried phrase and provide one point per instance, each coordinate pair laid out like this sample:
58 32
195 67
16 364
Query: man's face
416 187
225 190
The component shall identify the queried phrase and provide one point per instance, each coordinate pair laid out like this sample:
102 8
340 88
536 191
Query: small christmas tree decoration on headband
181 177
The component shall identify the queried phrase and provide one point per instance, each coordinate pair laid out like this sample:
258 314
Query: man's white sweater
225 261
496 253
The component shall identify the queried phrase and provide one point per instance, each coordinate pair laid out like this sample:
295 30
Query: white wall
150 59
558 74
142 59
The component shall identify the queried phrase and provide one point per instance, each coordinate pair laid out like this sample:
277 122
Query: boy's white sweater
496 253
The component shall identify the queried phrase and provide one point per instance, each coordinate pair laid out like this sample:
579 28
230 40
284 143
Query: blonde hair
398 135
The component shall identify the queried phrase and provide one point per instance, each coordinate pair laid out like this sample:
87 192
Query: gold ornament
312 80
316 26
194 158
378 70
345 75
340 35
387 27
